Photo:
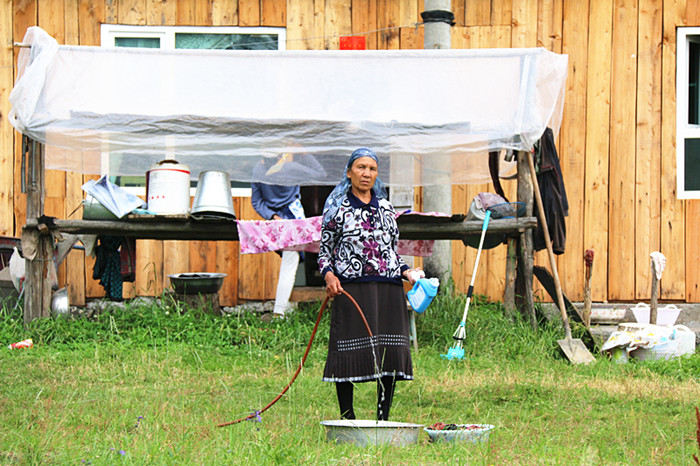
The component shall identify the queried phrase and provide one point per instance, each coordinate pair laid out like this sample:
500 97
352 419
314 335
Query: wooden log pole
525 246
184 229
37 284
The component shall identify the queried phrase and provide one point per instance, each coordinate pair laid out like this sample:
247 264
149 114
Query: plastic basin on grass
470 433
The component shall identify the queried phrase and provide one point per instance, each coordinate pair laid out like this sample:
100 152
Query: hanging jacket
554 201
107 266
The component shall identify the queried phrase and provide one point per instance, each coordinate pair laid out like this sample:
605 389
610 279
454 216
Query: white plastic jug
686 340
422 293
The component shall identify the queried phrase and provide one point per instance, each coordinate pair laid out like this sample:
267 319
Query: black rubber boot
345 391
385 395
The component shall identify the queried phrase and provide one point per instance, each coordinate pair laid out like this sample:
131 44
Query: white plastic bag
17 269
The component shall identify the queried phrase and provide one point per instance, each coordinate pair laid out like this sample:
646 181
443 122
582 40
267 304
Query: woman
358 255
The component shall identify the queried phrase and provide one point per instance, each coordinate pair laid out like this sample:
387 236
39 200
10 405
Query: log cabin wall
617 141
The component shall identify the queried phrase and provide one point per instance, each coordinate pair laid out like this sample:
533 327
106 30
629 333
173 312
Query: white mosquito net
431 116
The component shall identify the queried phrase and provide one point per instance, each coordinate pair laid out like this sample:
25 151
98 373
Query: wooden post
37 284
525 248
511 265
654 295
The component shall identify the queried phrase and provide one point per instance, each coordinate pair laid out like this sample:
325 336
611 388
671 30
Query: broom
457 351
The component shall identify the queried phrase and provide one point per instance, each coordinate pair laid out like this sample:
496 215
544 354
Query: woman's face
363 174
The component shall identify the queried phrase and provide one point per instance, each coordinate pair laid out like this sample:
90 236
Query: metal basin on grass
197 283
369 432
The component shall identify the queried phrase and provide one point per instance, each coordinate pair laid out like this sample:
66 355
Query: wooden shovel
574 349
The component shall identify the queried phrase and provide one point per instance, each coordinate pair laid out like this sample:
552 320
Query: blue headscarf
335 198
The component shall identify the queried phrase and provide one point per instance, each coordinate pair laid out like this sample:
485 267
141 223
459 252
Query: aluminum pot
213 195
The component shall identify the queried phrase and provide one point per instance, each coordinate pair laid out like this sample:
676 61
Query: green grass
149 384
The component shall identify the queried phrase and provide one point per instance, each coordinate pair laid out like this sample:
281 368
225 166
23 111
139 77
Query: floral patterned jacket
359 242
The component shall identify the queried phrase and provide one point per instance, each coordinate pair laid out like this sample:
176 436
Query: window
186 37
688 113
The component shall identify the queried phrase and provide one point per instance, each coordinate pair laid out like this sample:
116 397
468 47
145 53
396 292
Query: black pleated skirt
350 348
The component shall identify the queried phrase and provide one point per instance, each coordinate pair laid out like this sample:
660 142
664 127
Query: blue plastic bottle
422 293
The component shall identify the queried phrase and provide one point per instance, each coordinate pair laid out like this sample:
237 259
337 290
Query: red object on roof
352 43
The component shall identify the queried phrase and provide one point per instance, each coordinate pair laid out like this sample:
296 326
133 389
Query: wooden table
38 287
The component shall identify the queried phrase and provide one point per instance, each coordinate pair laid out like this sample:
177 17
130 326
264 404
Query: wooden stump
208 302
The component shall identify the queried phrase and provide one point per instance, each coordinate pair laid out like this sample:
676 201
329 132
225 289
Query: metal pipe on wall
438 19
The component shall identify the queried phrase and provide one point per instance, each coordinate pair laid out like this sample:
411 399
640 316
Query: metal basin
368 432
197 283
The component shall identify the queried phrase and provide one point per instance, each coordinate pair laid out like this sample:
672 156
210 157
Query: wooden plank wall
7 172
617 141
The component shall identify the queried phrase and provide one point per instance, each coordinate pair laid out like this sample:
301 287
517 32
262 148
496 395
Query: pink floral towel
264 236
304 234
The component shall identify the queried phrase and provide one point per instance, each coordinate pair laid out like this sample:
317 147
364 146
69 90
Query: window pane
693 84
226 41
126 181
692 165
142 42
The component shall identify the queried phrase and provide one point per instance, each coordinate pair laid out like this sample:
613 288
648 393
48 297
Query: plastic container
168 188
680 342
666 315
665 350
469 433
686 340
422 293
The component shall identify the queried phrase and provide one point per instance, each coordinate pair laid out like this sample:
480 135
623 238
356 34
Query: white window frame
110 32
684 130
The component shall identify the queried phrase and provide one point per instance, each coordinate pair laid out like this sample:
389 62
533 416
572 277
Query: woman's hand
412 275
333 286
